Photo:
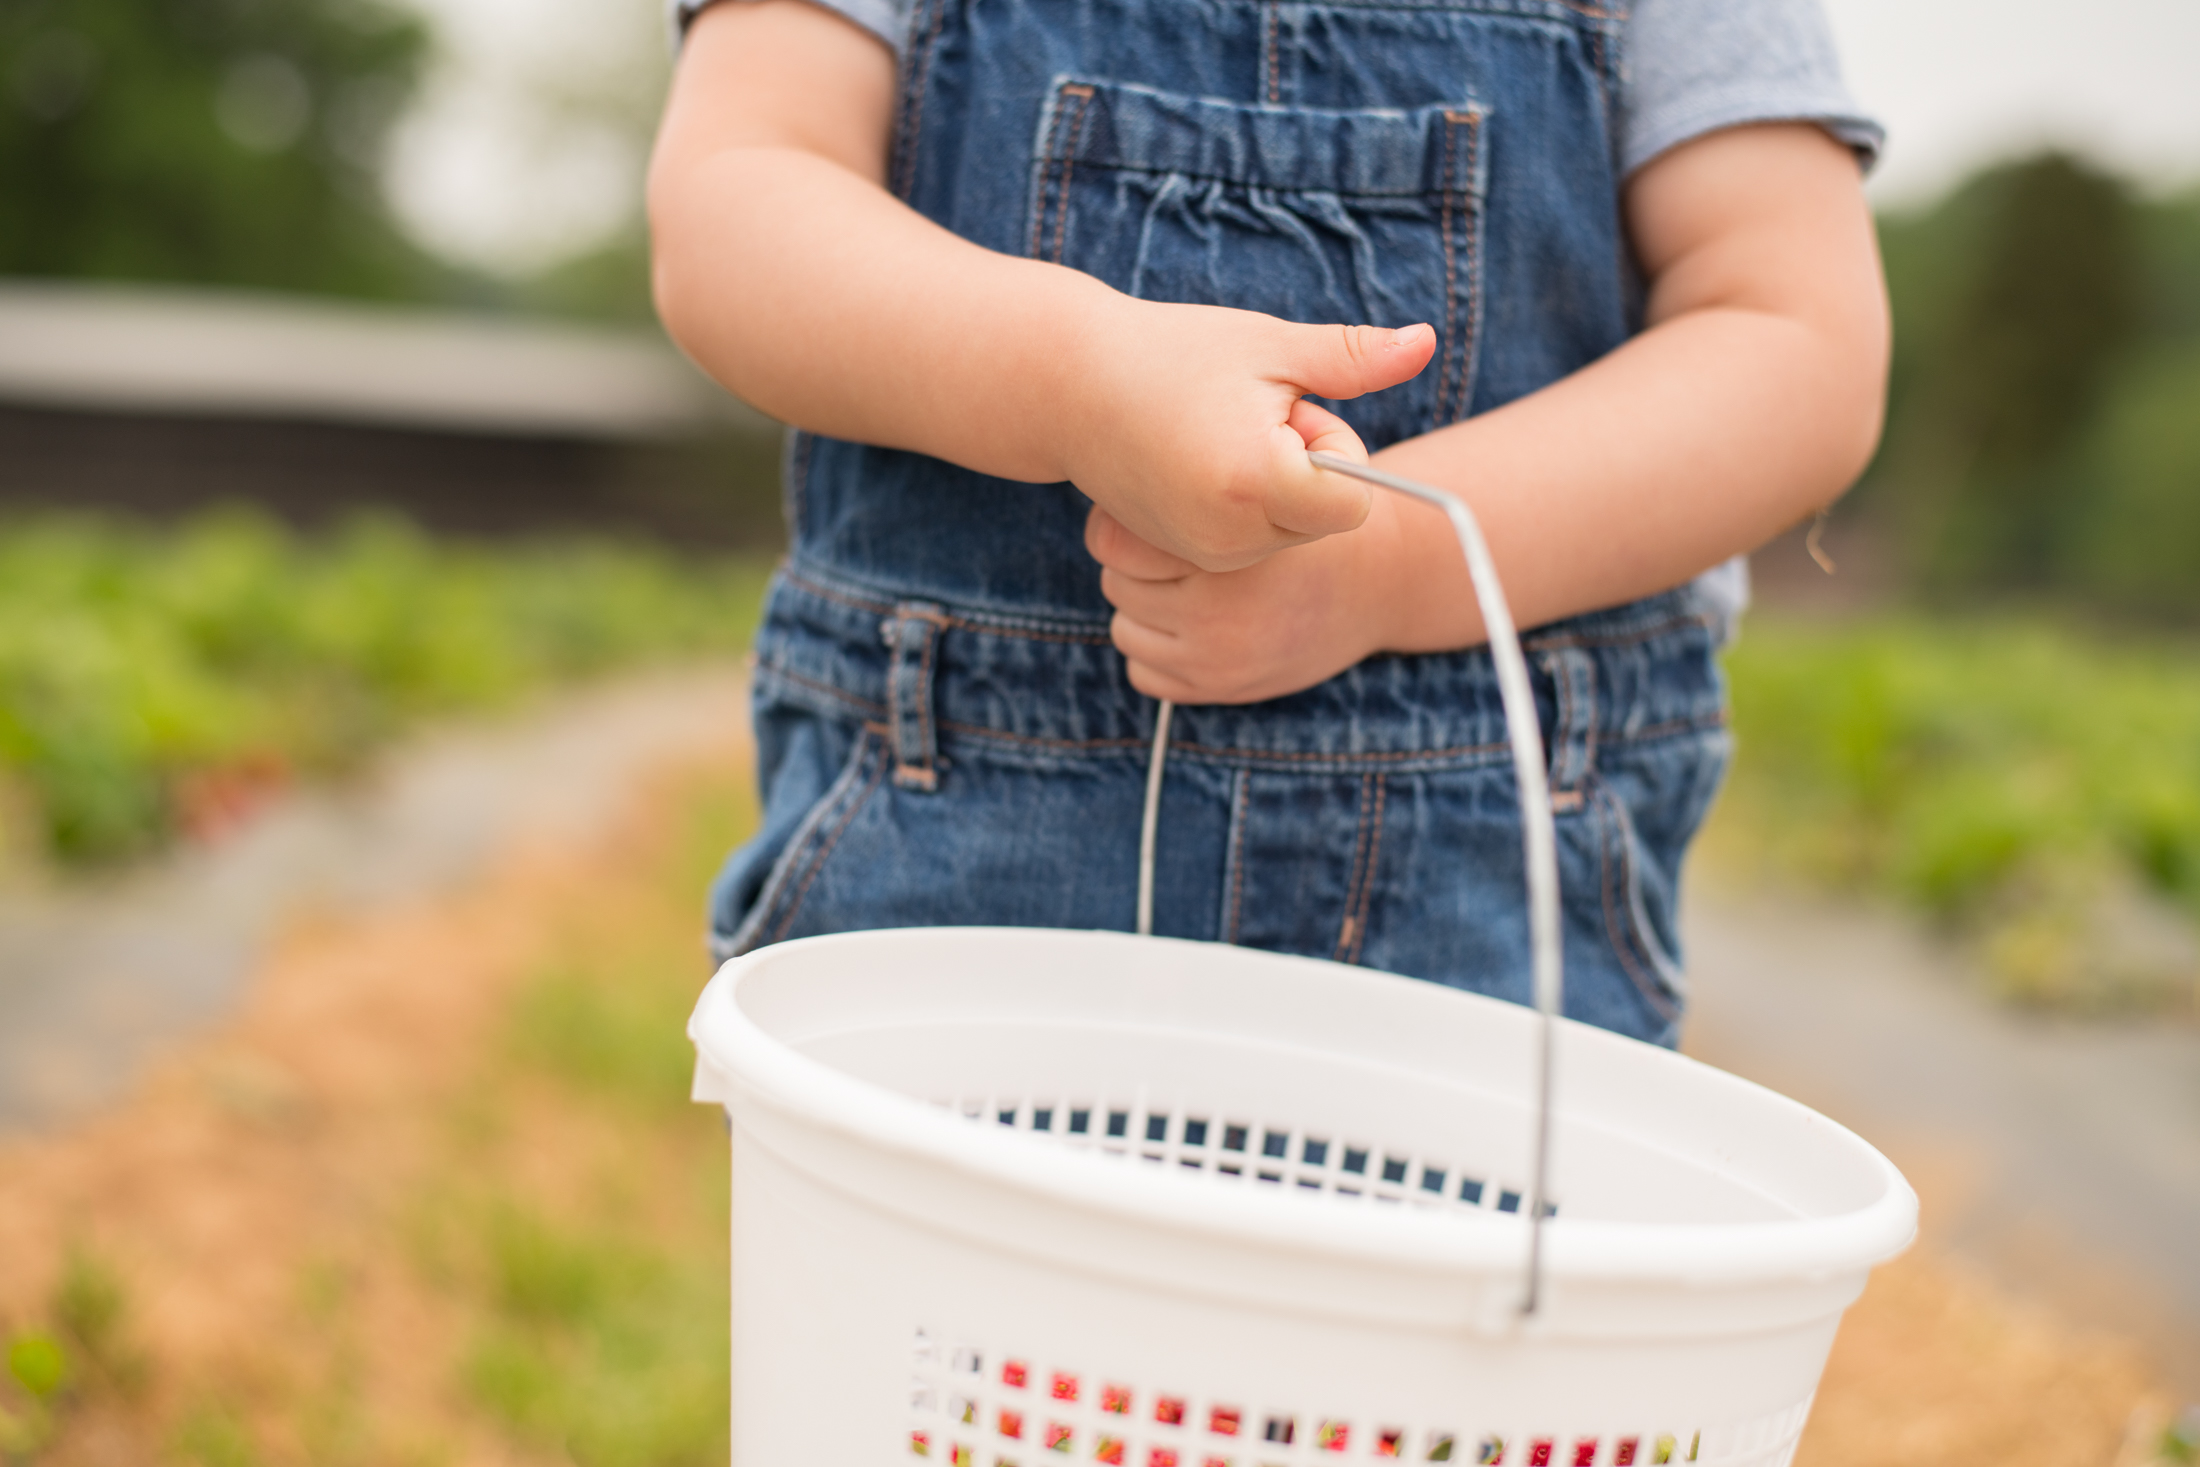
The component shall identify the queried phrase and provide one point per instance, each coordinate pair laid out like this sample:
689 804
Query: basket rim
737 1060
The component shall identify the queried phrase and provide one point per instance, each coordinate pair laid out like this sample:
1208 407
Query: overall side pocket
795 869
1310 215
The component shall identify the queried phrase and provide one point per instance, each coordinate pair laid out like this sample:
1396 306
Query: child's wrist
1420 597
1076 409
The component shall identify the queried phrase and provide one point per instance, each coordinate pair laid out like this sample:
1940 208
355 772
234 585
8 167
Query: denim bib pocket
1309 215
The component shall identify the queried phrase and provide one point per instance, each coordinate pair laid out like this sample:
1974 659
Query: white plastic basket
1014 1198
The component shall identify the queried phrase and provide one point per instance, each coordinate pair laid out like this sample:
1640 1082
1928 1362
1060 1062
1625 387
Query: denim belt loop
912 636
1573 674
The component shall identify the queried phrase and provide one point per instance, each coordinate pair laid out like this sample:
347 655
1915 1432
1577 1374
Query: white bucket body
1013 1198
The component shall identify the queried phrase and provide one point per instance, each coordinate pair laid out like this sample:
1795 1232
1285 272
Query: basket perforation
1237 1149
976 1408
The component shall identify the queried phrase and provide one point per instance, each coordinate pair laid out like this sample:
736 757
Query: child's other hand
1191 431
1239 636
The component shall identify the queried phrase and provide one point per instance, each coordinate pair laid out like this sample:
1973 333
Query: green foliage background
2009 777
133 658
222 142
2043 436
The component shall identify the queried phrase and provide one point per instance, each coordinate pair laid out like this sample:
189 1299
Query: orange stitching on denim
1237 854
1451 287
1470 334
979 730
1385 757
1069 165
964 623
1275 73
817 866
1251 756
1697 724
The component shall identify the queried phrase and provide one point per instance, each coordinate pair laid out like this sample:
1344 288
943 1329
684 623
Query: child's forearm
789 273
1753 399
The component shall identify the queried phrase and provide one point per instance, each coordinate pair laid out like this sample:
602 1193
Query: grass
153 680
600 1293
546 1280
511 1247
2032 786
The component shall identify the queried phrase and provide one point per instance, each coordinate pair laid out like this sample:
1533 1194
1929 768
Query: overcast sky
1962 82
485 173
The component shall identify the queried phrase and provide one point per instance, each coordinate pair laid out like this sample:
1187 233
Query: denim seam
874 710
1083 94
1367 848
1374 864
1470 347
1352 880
744 936
1386 756
1699 723
796 490
1576 723
1003 626
914 703
817 865
912 119
1562 685
1621 934
862 705
1617 639
1338 193
1067 746
1268 40
1451 285
1051 125
1238 818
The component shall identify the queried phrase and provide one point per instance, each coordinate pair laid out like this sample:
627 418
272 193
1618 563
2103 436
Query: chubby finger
1119 550
1155 604
1322 431
1157 662
1302 499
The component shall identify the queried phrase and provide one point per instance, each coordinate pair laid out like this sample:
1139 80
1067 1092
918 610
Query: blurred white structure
235 353
162 400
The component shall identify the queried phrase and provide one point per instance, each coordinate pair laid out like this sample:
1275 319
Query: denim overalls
946 735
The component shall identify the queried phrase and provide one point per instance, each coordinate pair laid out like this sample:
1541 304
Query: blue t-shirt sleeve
1695 66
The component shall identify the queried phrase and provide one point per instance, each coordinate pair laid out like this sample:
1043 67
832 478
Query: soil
264 1191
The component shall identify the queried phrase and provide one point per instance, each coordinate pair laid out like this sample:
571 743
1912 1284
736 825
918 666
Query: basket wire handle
1539 835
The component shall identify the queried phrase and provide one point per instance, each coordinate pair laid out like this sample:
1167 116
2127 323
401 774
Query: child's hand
1190 429
1275 627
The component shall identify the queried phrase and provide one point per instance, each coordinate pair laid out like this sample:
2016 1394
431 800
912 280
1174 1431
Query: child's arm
1753 398
787 270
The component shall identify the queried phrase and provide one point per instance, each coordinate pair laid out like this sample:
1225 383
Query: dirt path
2062 1157
304 1200
95 981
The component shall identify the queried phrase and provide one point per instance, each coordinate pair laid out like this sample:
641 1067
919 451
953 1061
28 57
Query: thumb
1345 361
